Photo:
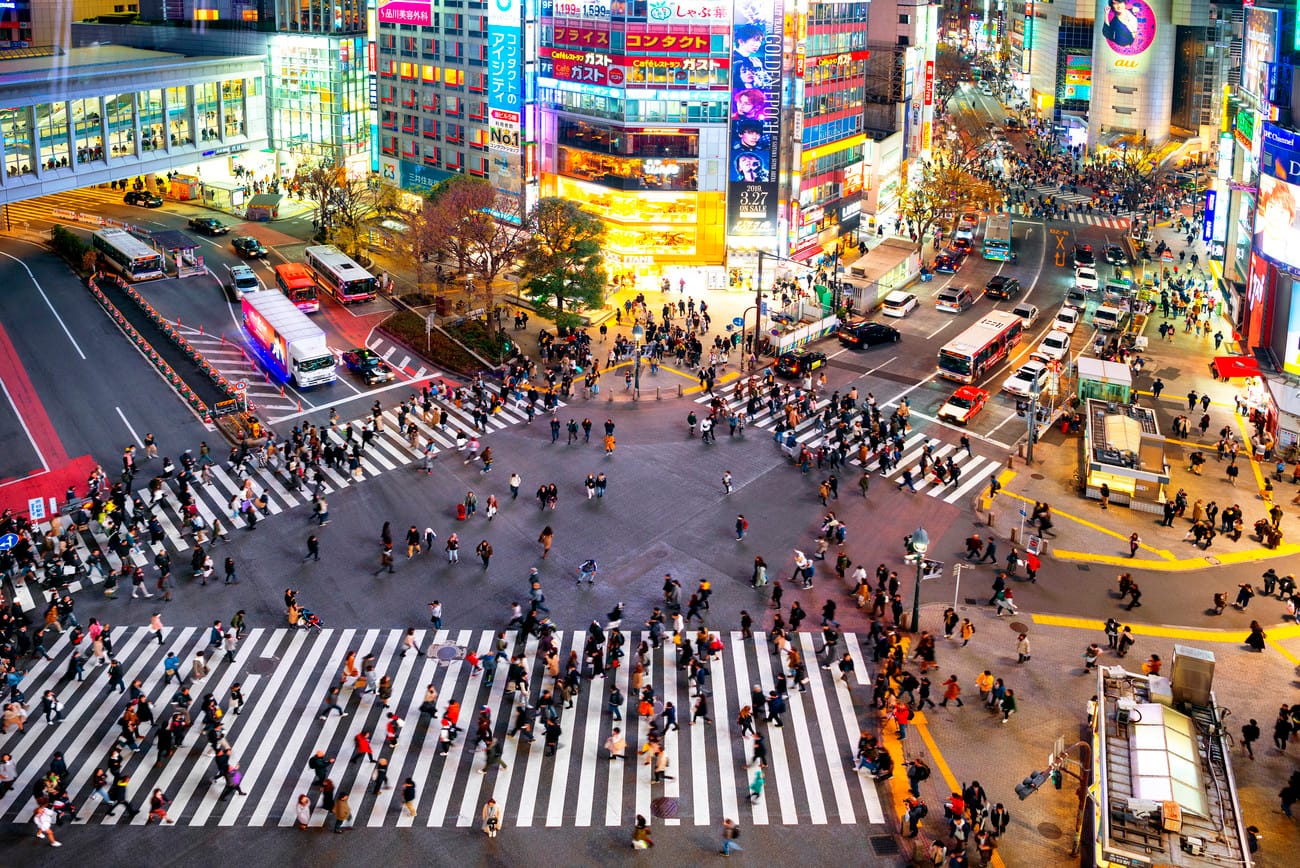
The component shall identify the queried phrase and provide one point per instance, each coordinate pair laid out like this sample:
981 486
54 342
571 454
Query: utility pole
1032 415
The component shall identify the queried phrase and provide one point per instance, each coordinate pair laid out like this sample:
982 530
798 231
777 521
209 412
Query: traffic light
1029 784
1056 778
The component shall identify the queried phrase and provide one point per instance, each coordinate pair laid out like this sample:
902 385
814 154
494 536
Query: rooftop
92 60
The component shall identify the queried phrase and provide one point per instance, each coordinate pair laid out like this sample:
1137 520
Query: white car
1027 312
1031 377
898 303
1086 278
1066 319
1054 347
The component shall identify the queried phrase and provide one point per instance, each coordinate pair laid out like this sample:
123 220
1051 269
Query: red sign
1259 301
598 68
929 82
581 37
844 58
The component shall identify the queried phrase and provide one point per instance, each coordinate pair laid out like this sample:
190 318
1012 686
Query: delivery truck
286 341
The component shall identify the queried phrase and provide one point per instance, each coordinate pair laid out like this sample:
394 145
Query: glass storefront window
178 116
628 173
87 128
632 208
232 107
120 109
206 111
52 126
150 108
16 129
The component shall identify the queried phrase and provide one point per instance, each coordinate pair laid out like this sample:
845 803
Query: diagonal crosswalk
285 674
389 450
973 469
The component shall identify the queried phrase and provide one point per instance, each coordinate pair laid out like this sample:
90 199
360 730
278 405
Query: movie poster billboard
755 146
1277 214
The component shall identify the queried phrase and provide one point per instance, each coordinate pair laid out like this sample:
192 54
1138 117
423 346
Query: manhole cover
972 601
1050 831
1018 627
1084 568
1037 476
664 808
262 665
884 845
445 653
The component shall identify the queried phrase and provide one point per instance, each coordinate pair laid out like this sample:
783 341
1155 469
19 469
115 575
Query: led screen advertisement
1277 233
755 145
1128 30
505 73
1078 77
1259 51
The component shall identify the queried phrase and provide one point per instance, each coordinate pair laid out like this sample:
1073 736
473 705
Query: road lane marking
23 422
134 436
48 304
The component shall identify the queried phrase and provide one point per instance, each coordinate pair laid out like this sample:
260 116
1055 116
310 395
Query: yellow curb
942 765
695 390
1175 564
1294 660
1063 554
1280 631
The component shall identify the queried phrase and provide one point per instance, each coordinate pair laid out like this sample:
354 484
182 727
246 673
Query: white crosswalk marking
971 469
280 728
1093 218
389 451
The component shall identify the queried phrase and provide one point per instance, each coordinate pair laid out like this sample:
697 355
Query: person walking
342 813
1022 648
730 834
45 819
313 549
490 818
1134 541
1249 735
951 692
1008 704
756 785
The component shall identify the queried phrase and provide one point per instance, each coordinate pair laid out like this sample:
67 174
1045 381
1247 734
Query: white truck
242 280
287 342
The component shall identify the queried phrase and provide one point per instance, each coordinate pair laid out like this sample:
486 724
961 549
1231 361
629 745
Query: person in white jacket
44 820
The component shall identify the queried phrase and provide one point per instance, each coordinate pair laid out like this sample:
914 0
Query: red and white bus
296 282
339 275
981 347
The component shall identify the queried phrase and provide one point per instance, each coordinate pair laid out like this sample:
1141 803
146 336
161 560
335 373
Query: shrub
69 245
408 328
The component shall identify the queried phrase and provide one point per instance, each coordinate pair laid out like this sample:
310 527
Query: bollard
1015 536
659 396
636 395
299 406
609 397
1011 462
680 393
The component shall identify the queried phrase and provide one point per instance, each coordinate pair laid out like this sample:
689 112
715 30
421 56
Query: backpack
921 809
923 774
744 523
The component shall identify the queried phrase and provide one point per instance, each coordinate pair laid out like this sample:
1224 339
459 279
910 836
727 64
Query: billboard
505 74
1128 26
755 143
1259 51
1277 234
419 12
1078 77
687 11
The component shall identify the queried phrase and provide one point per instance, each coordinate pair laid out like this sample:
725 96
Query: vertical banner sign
505 73
1207 228
929 82
755 146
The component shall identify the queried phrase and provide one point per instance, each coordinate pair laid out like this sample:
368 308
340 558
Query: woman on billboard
1275 231
1130 26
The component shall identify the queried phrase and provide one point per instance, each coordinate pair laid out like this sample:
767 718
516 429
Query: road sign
738 322
36 508
8 541
240 386
1023 514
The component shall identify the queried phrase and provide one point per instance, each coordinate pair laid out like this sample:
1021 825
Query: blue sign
738 322
1211 199
419 178
8 541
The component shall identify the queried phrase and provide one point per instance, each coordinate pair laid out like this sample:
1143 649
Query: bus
997 237
972 353
128 254
295 281
335 271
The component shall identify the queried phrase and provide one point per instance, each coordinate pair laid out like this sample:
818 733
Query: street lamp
920 545
638 333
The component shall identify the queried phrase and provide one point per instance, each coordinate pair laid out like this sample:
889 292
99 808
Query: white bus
339 275
982 346
128 254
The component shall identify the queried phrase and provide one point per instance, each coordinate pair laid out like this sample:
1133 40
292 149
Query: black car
867 334
369 365
798 363
1115 255
1002 286
208 225
143 199
949 261
248 247
1083 255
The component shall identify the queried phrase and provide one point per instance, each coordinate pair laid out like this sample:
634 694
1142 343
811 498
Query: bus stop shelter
180 247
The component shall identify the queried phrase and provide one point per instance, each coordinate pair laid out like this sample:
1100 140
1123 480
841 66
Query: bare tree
342 203
947 185
496 241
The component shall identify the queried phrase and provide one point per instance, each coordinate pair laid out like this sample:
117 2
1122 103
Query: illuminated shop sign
755 147
418 12
581 37
668 42
505 73
598 11
687 11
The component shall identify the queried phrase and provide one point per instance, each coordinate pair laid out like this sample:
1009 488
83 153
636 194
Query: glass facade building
319 98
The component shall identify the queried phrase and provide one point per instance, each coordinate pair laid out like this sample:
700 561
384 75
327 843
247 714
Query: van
954 299
898 303
1109 319
242 280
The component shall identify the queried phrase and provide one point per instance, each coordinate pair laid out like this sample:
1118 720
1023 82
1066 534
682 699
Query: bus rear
296 282
997 237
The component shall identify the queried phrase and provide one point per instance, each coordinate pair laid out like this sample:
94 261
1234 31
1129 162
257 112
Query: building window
16 128
87 129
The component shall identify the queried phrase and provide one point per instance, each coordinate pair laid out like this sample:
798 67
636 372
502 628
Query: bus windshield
296 282
953 363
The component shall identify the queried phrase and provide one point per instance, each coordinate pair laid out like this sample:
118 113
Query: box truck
290 344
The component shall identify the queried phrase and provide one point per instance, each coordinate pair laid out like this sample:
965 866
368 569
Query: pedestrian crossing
973 469
387 451
1089 219
285 674
38 213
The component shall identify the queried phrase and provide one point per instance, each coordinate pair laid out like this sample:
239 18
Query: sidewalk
968 743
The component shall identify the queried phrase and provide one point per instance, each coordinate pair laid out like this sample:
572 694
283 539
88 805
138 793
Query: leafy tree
561 263
1134 169
481 229
944 188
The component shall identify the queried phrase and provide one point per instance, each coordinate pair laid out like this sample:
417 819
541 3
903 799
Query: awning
1227 367
808 251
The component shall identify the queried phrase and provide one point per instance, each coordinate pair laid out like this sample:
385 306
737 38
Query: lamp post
920 545
638 333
